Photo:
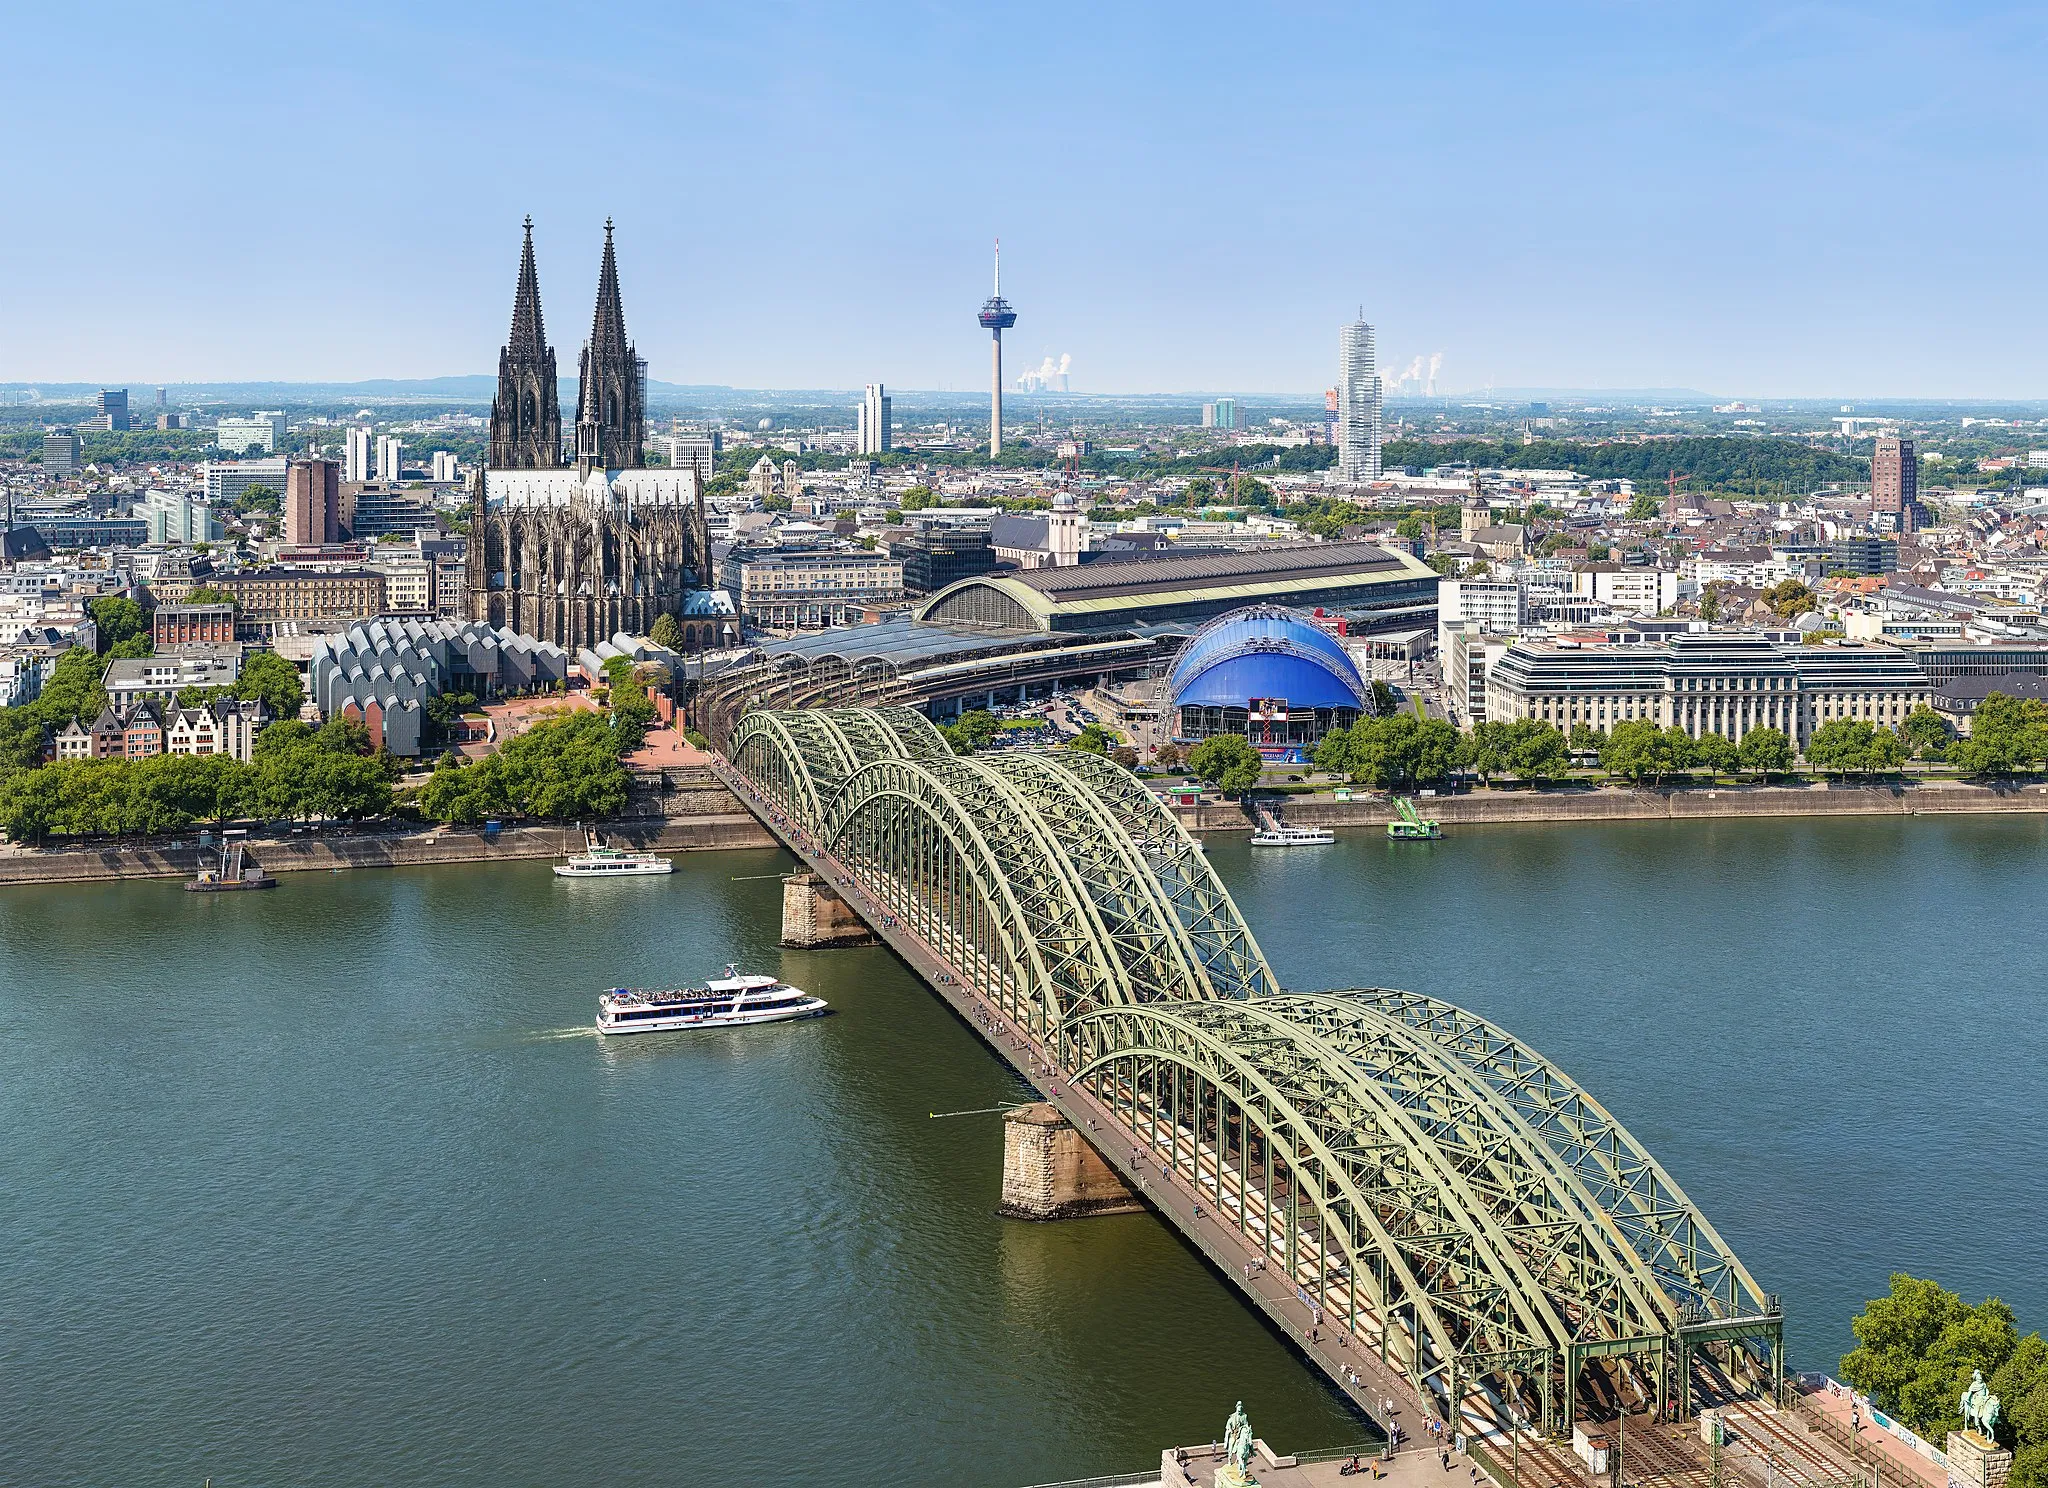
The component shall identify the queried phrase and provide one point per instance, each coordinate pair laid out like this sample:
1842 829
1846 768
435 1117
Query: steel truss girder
1692 1264
1599 1286
1397 1208
867 738
1514 1217
768 751
1016 861
1219 938
1144 932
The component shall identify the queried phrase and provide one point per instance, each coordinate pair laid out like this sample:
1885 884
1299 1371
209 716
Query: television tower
997 317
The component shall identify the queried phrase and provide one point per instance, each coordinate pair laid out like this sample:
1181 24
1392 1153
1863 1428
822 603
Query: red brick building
312 503
194 625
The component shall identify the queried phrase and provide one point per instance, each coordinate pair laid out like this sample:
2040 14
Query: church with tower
576 545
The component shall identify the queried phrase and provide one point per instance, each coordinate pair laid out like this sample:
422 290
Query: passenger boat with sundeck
598 861
1284 836
724 1002
1273 832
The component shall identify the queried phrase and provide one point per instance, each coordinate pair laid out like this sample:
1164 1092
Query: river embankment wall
691 810
1478 808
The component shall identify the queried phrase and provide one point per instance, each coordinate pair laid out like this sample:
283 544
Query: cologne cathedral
575 550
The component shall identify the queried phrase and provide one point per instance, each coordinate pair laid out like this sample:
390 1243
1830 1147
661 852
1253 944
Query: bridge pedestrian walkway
1437 1217
1353 1363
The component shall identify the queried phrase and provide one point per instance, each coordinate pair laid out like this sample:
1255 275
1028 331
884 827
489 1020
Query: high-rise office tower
1358 405
356 461
390 455
60 455
161 399
114 408
445 466
997 317
1895 482
312 503
875 435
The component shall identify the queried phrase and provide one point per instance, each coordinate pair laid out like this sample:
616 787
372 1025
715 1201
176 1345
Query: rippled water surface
331 1184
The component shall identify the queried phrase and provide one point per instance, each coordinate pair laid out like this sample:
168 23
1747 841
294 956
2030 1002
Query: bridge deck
1352 1364
1226 1218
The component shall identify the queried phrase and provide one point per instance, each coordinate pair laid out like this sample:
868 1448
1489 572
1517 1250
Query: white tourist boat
724 1002
1280 835
598 861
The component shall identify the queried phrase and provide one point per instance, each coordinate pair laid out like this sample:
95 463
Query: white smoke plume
1048 375
1436 361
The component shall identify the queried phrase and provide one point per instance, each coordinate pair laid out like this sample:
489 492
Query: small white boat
1285 836
730 1001
598 861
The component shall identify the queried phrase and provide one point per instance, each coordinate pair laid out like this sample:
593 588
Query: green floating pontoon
1409 827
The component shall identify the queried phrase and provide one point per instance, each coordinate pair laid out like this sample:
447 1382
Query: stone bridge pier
814 917
1051 1172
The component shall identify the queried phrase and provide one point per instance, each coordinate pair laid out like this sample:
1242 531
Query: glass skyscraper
1358 405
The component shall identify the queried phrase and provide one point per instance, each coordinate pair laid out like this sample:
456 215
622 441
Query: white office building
1632 591
355 465
1496 605
174 517
390 458
445 467
227 480
697 452
875 433
1358 405
262 429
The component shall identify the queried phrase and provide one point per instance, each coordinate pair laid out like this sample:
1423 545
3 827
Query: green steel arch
1217 934
1693 1265
791 757
1458 1201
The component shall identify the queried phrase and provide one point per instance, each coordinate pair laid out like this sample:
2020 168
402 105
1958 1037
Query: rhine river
332 1185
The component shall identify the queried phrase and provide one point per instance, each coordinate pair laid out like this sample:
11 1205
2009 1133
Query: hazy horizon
57 394
1778 201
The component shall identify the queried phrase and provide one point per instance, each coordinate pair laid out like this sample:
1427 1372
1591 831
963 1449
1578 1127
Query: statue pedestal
1227 1476
1974 1461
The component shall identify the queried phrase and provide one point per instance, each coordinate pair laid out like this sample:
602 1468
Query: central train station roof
1111 593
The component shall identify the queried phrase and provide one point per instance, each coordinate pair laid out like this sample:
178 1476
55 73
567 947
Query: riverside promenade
1617 803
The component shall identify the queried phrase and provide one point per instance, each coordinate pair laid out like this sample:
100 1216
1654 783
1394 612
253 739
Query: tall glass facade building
1358 405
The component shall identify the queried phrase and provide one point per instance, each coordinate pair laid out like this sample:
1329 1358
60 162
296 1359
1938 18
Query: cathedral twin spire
526 417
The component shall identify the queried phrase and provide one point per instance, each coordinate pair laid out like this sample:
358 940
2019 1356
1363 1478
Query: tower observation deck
997 317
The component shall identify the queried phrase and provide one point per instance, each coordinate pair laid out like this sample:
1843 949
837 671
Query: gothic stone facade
574 554
576 559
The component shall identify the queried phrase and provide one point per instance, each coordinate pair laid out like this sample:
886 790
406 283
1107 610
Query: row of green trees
561 769
1401 750
297 772
2007 735
1916 1349
1395 752
1704 463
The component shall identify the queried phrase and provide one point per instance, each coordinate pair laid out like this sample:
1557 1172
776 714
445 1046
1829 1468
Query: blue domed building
1267 674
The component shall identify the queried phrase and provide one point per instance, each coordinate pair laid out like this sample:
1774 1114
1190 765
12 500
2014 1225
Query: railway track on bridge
1437 1218
1351 1362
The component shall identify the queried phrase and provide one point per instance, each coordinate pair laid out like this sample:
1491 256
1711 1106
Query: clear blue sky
1827 200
